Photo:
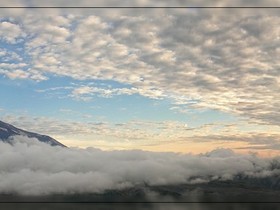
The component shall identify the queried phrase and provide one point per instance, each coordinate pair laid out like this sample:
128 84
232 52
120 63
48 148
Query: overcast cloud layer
30 167
136 3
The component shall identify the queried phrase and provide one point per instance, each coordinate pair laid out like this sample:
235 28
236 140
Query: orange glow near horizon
184 147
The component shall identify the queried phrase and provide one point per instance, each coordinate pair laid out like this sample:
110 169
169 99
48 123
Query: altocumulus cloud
219 60
29 167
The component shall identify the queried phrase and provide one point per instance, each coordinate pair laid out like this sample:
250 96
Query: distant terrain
237 190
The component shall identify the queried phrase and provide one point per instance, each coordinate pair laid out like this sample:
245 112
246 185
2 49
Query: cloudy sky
181 80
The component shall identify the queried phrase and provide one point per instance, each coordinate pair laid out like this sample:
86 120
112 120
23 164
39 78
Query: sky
185 80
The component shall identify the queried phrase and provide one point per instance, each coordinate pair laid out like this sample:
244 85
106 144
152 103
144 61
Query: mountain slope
7 130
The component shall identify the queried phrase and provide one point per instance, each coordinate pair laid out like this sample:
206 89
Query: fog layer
29 167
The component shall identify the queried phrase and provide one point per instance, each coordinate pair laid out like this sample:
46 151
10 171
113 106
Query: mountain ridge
7 130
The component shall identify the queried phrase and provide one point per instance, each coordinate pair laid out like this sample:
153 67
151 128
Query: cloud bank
29 167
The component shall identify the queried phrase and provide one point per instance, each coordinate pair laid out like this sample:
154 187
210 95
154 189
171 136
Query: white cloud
85 91
10 32
8 56
17 74
224 61
26 168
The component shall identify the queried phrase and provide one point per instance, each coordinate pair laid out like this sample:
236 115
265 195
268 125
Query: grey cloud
256 141
145 133
140 3
101 130
30 167
254 138
273 146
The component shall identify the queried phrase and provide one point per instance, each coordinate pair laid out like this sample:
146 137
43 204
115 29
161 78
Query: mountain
7 130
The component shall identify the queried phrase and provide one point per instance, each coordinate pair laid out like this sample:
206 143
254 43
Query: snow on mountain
7 131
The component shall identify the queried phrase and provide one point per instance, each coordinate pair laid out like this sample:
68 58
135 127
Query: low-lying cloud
29 167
